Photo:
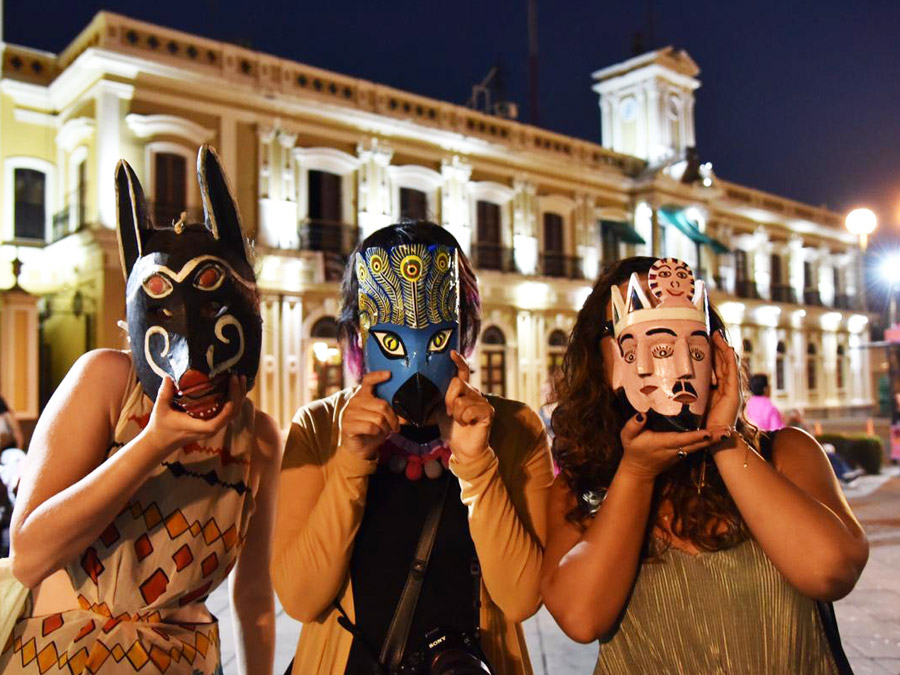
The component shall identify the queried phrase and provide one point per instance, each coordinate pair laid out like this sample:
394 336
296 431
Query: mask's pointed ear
618 306
219 205
131 213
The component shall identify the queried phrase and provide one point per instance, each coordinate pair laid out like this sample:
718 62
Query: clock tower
647 105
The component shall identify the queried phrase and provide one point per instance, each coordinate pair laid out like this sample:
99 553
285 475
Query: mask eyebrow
627 336
701 333
667 331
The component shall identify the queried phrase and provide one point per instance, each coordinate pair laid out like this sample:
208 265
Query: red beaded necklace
402 455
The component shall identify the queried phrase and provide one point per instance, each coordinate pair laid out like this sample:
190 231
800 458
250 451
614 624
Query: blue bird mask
409 323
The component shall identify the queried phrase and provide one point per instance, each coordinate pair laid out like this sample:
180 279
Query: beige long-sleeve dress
323 497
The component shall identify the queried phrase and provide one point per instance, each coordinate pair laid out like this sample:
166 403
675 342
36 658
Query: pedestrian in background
760 409
11 435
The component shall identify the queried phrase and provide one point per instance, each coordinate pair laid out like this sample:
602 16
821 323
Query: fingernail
640 417
723 437
706 437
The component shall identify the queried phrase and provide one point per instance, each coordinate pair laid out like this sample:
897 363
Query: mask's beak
417 399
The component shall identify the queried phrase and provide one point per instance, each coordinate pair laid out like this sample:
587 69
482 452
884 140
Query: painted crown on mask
191 299
691 304
413 285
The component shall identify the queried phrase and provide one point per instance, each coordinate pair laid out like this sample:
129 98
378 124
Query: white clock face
628 109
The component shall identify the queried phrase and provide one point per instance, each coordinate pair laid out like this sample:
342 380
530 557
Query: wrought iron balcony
845 301
783 293
328 236
811 296
560 265
746 288
488 256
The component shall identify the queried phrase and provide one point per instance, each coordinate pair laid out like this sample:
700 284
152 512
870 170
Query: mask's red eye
157 286
209 278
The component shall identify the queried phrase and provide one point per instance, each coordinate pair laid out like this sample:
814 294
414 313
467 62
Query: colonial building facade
319 160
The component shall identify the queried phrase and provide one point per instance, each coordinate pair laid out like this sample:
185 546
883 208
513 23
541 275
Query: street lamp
861 222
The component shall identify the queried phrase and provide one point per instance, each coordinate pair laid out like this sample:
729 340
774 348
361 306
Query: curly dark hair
587 447
407 231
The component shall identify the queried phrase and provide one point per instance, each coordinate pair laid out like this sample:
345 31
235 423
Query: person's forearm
309 568
64 525
590 585
254 635
804 539
509 554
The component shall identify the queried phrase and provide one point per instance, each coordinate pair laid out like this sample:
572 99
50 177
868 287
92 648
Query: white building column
108 98
374 192
525 240
455 208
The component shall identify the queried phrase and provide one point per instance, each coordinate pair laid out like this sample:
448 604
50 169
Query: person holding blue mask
410 521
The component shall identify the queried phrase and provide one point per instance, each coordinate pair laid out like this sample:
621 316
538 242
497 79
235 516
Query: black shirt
383 550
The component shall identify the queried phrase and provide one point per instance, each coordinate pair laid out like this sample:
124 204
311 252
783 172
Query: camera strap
398 632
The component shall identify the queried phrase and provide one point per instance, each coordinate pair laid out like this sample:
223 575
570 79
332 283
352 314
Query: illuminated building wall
319 159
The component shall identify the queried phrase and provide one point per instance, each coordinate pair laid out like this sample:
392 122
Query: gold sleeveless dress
725 613
174 542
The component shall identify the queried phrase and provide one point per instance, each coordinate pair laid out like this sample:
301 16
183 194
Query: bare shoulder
268 438
796 449
112 365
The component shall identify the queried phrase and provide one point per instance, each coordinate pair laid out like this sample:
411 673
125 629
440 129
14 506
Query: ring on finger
681 453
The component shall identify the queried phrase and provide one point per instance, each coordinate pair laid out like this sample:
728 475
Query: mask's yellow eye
439 341
390 343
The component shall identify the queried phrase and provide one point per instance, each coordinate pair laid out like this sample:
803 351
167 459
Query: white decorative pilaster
108 97
826 277
286 166
455 207
762 263
525 241
374 186
266 138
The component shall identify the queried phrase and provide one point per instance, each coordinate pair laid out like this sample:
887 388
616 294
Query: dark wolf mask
191 299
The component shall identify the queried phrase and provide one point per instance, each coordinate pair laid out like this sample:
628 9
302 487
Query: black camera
447 652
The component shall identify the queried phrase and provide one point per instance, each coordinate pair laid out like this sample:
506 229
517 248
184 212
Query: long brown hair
587 447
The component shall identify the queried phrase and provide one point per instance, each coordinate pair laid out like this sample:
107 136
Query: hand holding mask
191 302
663 365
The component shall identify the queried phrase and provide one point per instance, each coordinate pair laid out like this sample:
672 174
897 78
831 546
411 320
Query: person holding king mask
679 537
369 472
150 476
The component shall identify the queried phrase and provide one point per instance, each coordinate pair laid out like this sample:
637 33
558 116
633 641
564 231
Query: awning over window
623 231
676 218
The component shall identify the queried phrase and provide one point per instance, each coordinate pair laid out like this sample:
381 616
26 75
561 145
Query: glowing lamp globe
861 222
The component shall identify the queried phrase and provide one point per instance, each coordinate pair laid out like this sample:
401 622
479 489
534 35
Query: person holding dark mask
414 453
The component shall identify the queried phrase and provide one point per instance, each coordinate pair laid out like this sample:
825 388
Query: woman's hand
726 400
467 423
367 420
648 453
170 429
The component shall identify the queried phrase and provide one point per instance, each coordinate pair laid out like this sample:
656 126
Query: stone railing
782 206
275 76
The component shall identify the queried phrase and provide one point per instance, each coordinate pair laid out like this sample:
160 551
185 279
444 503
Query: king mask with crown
409 321
663 364
190 294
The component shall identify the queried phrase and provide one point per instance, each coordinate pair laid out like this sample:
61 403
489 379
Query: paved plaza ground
869 618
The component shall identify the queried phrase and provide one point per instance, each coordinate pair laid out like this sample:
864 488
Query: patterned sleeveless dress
172 544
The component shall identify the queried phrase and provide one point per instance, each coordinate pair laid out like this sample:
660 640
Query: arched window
556 350
812 380
841 365
327 375
493 361
780 366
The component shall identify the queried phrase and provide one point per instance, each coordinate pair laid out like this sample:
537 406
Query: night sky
798 98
